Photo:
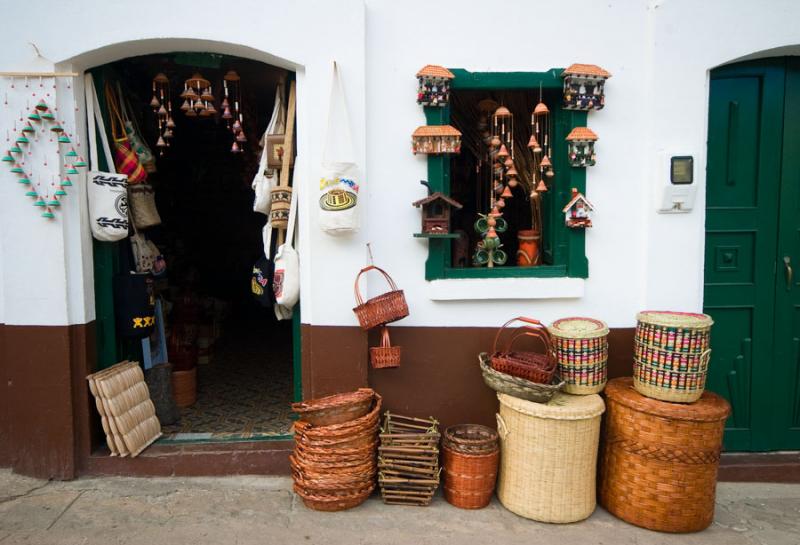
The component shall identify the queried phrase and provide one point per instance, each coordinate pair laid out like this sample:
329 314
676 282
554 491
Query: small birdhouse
436 139
577 211
436 212
434 85
584 87
580 147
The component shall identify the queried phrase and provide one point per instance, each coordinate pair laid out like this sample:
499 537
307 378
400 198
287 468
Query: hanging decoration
436 139
581 147
161 103
434 85
578 210
584 87
38 134
435 213
232 109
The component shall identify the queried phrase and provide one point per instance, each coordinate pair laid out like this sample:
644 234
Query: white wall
658 52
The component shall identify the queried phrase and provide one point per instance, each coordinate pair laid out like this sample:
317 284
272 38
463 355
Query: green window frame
566 249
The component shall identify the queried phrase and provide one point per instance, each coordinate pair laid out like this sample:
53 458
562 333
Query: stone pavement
263 510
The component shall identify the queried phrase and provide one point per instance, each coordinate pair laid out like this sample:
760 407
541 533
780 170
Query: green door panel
743 185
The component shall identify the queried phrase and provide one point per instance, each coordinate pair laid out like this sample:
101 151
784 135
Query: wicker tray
518 387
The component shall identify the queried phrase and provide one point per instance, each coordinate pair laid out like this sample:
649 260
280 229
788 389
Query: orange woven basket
470 458
532 366
659 460
335 409
382 309
385 355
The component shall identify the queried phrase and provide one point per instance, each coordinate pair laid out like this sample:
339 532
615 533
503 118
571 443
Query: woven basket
335 409
385 355
681 332
470 439
334 500
518 387
469 479
382 309
531 366
659 464
581 349
184 387
549 456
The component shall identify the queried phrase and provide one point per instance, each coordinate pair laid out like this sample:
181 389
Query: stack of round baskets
470 456
334 463
671 355
581 346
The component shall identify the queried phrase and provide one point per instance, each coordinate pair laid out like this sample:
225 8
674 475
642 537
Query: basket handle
502 429
385 341
388 278
536 328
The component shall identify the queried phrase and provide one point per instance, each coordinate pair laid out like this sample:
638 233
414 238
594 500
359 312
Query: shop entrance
246 361
753 250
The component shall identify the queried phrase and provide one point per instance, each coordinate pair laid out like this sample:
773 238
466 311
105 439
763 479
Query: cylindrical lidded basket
660 460
581 346
548 456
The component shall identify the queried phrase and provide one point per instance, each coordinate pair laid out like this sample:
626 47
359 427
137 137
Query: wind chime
162 106
541 150
232 109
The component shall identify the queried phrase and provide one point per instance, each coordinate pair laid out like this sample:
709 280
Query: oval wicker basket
518 387
335 409
531 366
382 309
659 464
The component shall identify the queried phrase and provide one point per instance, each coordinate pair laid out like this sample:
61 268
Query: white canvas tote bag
286 283
340 181
107 192
266 178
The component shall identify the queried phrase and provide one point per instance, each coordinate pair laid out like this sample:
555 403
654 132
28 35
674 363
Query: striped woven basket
581 346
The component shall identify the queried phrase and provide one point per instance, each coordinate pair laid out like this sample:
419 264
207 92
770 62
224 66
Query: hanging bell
57 128
236 126
507 194
155 103
496 141
23 140
16 169
541 187
185 106
60 193
189 94
495 213
71 170
235 147
167 134
206 95
24 180
541 109
240 137
171 122
185 92
511 172
225 103
48 214
31 193
191 113
64 139
28 128
491 233
198 105
40 202
545 162
48 115
162 111
502 112
161 142
54 202
71 153
503 153
34 116
226 113
7 157
66 182
42 106
534 144
80 163
508 163
15 149
549 173
211 109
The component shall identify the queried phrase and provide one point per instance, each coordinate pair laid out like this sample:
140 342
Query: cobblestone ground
242 510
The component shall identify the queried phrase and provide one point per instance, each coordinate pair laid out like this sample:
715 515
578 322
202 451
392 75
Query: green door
752 244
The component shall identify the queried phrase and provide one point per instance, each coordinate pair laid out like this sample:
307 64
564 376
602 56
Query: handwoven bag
532 366
142 200
144 153
125 159
382 309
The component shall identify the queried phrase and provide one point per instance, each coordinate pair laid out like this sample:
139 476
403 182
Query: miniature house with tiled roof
436 139
436 209
434 85
577 211
584 87
580 147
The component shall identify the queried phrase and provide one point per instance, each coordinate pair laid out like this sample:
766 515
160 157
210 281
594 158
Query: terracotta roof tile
581 133
436 196
586 70
432 70
436 130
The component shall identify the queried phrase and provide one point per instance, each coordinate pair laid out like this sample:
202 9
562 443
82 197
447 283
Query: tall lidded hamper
660 460
581 347
548 456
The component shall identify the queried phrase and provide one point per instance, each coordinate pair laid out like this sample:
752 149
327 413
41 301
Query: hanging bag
340 181
533 366
263 274
382 309
143 206
287 269
267 178
146 157
125 159
107 192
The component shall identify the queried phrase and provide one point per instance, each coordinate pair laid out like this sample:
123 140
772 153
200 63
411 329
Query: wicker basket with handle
518 387
385 355
381 309
659 460
532 366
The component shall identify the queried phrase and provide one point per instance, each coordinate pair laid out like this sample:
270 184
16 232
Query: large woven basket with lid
581 348
548 456
660 460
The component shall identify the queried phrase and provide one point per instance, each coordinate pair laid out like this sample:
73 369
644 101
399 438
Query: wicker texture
549 456
660 460
385 355
184 387
470 458
334 465
470 439
381 309
581 349
408 459
517 387
335 409
532 366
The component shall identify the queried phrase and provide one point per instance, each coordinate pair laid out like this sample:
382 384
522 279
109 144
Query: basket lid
666 318
578 327
709 408
561 407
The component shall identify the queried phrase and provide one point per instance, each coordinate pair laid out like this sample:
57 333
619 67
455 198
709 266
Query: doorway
752 250
246 360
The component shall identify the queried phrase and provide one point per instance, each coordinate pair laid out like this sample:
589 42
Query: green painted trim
437 235
166 440
297 354
565 248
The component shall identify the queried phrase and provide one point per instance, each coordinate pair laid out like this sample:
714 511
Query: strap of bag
347 153
292 215
266 238
116 117
96 122
123 109
388 278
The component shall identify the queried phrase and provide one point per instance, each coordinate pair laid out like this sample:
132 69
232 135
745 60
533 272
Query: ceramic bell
66 182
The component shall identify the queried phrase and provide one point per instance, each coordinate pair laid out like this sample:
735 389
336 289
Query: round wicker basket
581 347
